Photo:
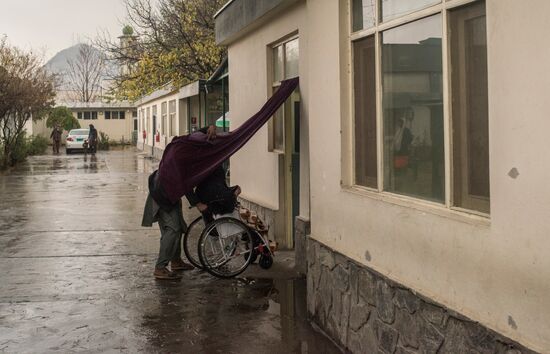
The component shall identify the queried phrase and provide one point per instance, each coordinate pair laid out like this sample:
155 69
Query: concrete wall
254 168
495 271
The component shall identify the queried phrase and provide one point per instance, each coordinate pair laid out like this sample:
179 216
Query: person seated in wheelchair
213 196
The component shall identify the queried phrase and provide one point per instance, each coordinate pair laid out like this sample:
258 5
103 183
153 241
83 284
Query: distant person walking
92 139
56 137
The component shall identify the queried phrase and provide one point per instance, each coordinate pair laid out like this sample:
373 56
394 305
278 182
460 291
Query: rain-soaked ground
76 273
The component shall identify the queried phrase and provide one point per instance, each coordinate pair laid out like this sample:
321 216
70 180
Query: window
363 14
94 115
114 115
395 8
87 115
147 120
107 115
122 115
470 108
163 113
285 66
413 109
411 118
155 120
365 112
134 114
172 114
79 115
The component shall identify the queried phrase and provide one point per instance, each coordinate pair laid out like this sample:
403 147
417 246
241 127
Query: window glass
470 108
395 8
278 63
291 58
107 114
363 14
114 114
87 115
365 112
413 109
163 113
172 123
278 130
134 114
94 115
122 115
79 114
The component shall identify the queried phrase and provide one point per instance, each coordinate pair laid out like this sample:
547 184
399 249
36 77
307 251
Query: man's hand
211 133
202 207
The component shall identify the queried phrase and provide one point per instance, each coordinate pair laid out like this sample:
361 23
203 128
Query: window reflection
395 8
291 58
413 109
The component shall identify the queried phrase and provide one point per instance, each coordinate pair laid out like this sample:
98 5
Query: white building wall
253 167
495 271
164 137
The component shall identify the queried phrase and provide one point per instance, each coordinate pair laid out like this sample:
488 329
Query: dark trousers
172 226
55 146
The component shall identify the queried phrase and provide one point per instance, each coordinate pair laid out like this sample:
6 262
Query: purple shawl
188 159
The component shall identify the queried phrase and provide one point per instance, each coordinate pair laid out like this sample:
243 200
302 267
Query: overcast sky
53 25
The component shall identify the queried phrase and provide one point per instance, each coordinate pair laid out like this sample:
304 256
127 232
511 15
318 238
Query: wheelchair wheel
255 244
266 261
191 241
226 247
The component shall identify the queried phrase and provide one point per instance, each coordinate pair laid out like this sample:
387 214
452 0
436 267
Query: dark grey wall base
368 313
302 228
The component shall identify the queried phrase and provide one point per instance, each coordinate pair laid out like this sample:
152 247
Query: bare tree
85 74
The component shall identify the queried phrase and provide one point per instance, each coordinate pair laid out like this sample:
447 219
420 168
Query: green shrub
37 145
103 143
20 150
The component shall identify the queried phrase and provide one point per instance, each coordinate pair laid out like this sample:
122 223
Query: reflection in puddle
233 316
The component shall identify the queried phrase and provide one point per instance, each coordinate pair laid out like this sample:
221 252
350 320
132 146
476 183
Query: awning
188 159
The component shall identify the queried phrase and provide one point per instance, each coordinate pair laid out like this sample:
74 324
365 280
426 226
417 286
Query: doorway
289 171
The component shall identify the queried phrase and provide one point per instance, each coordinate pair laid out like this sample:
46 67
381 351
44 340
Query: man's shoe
180 265
165 274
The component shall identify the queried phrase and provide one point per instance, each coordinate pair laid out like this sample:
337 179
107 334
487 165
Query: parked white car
75 140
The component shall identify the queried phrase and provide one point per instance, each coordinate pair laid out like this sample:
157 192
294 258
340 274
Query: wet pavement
76 272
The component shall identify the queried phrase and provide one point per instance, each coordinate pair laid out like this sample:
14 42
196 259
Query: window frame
443 8
275 85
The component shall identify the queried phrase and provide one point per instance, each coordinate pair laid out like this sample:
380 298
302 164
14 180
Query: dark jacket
214 192
157 202
157 193
56 134
92 135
